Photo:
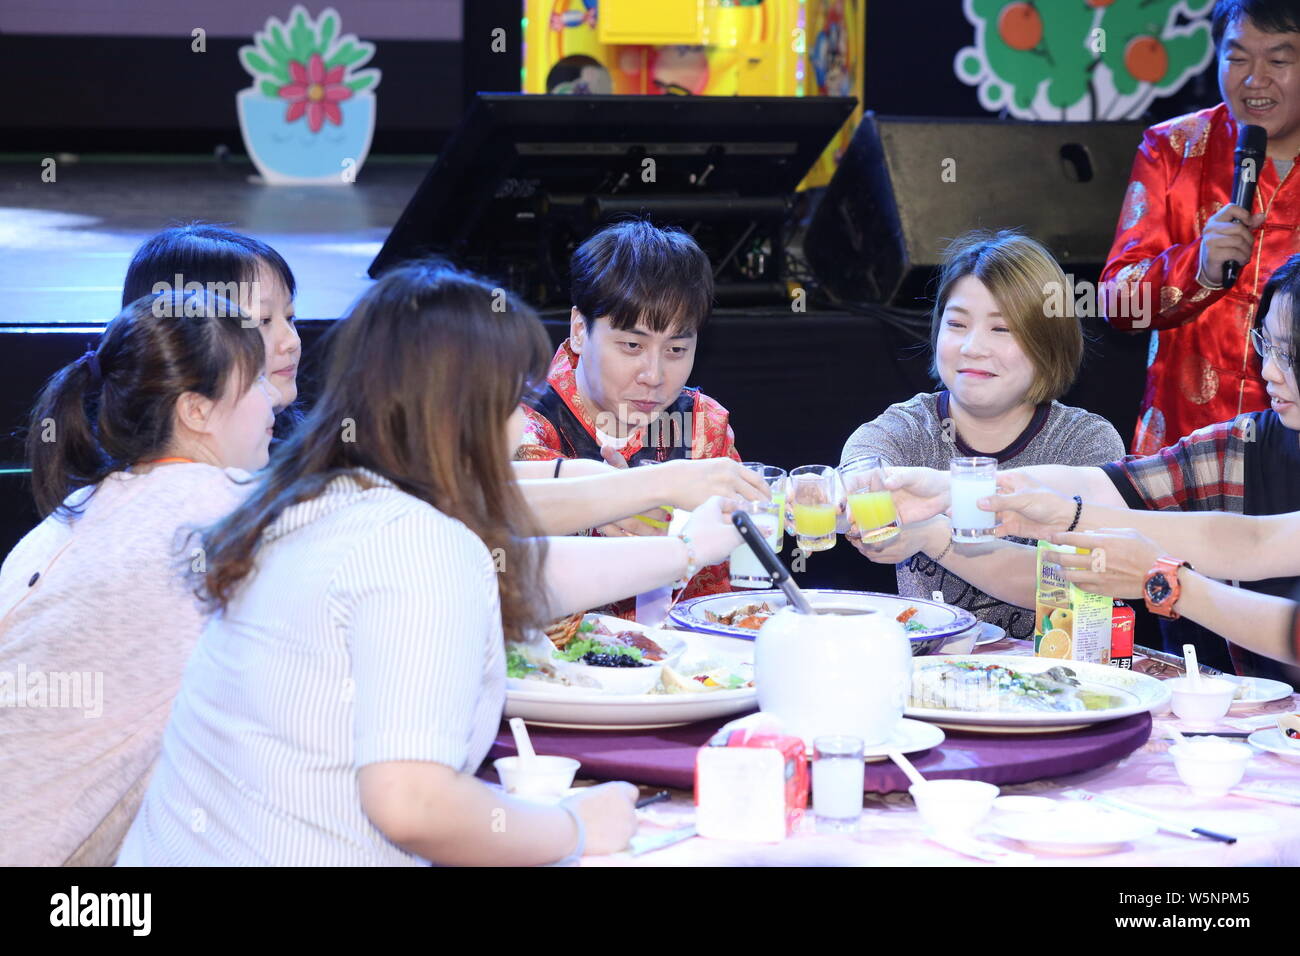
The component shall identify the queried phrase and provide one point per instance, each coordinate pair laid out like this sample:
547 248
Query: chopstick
1162 822
1173 659
654 798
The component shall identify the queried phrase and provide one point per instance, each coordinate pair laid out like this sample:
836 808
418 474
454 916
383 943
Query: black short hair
201 252
1285 280
1270 16
635 272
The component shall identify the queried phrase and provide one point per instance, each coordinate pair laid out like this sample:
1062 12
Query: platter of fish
999 693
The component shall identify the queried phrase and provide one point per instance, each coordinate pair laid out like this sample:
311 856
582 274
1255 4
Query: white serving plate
1271 741
1141 693
1262 690
552 705
1072 831
912 736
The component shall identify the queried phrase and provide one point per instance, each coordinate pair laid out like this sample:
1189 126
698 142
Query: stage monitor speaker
526 178
905 187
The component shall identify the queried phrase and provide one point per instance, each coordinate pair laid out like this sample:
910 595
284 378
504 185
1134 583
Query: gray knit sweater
913 433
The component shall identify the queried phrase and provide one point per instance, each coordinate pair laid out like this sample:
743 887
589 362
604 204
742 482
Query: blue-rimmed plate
941 622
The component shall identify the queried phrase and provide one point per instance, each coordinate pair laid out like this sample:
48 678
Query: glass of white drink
971 480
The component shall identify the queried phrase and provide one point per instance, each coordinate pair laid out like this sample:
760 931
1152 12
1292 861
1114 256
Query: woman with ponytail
133 446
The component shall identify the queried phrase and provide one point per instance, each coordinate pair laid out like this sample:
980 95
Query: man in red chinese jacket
616 389
1178 228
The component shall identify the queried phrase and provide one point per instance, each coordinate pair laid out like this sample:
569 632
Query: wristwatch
1161 589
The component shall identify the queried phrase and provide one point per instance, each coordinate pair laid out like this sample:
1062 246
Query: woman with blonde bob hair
1004 355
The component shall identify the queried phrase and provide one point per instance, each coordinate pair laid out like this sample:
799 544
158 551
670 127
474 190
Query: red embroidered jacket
559 426
1201 367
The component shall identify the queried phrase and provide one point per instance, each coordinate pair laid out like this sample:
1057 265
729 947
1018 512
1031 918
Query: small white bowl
1203 707
549 779
953 806
620 681
1210 766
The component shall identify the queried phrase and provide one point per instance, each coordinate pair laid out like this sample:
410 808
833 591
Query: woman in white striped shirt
340 701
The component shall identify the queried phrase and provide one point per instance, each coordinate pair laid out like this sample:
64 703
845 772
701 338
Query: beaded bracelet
692 566
576 853
1078 512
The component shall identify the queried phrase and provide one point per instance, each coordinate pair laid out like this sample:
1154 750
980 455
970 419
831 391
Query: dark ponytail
61 446
113 407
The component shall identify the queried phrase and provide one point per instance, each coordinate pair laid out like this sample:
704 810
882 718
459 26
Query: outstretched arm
1259 622
1006 570
1222 545
582 573
600 494
922 493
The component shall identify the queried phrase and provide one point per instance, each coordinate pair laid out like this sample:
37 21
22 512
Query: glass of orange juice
870 504
814 496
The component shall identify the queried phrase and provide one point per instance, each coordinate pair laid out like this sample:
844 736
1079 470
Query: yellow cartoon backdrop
701 48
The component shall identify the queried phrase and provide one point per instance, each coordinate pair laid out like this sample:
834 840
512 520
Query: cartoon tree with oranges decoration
1082 59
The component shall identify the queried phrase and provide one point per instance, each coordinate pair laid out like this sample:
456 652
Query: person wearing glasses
1247 465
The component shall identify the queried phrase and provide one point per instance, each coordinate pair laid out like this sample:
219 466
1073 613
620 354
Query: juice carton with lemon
1070 624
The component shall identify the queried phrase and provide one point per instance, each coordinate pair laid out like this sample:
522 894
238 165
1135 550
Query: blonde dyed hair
1022 277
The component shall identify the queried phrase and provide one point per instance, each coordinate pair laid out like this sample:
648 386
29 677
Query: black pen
646 801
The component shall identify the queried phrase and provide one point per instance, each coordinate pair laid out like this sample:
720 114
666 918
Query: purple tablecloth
666 758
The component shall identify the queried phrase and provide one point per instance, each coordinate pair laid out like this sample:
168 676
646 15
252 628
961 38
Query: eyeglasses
1264 348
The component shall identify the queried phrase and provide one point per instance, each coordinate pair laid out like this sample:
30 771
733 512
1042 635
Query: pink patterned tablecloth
890 833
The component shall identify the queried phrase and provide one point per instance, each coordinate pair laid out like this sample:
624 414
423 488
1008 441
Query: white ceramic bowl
1203 707
953 806
1210 767
549 779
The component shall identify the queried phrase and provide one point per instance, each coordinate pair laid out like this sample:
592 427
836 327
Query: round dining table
890 832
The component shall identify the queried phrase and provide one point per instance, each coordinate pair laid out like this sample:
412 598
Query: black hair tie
91 361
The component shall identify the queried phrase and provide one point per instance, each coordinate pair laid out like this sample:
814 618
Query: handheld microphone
1249 157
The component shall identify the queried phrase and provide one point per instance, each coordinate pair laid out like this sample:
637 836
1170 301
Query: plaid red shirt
1205 471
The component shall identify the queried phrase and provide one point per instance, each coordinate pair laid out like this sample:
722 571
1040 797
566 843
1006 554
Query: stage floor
65 245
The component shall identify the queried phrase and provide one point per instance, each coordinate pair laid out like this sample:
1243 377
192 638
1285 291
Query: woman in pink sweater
141 440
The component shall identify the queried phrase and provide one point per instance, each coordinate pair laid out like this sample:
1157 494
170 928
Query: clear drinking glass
775 478
746 570
870 504
815 500
838 778
971 480
652 606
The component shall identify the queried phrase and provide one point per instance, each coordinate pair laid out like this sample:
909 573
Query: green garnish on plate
517 665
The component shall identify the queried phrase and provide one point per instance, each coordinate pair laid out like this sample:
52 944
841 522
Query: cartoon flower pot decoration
309 116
